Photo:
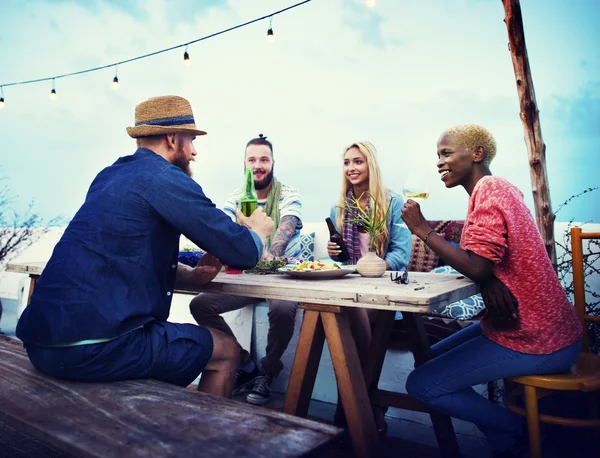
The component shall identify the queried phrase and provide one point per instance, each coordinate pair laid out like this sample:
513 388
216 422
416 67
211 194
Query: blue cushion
190 258
301 247
465 309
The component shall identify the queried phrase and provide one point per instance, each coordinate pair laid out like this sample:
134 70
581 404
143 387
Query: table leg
351 384
442 425
305 366
32 281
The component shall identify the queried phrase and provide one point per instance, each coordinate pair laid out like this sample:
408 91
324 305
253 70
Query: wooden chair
584 376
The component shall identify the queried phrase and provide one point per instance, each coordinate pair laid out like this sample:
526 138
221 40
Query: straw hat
163 115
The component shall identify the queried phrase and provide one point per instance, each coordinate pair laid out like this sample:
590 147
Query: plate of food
316 270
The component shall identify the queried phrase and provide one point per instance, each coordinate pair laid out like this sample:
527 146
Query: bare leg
217 376
207 308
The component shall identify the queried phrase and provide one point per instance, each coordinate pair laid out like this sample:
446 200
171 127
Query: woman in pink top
501 249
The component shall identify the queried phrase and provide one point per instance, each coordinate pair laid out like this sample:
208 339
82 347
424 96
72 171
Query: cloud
368 23
578 115
337 73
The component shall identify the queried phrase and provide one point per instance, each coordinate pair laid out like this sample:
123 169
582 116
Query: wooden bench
145 418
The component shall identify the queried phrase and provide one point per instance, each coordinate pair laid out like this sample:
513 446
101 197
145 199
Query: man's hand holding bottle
258 221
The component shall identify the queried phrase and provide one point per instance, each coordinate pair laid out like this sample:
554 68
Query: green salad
268 266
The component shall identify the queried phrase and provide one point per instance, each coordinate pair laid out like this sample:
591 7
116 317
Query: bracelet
427 236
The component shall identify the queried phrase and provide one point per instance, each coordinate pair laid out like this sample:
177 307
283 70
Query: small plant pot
370 265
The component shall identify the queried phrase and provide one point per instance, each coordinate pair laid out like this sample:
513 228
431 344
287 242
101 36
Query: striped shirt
500 227
290 204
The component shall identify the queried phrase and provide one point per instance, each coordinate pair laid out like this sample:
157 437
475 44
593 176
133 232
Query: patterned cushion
423 258
465 309
450 230
302 247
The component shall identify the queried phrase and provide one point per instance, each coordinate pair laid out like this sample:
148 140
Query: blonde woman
361 178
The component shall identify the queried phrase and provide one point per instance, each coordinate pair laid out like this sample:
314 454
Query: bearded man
283 204
99 310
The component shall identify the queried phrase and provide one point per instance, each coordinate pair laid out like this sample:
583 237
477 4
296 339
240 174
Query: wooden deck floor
14 444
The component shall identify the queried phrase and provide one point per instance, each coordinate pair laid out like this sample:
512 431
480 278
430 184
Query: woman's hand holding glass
416 187
414 219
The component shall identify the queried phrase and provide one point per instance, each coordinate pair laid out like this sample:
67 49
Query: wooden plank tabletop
32 268
426 292
144 418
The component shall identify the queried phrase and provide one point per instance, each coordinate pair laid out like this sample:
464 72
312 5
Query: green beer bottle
249 199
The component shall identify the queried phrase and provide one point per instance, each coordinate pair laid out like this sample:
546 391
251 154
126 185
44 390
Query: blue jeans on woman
467 358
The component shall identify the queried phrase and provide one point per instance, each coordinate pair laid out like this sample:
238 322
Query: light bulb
53 94
270 36
370 3
115 83
1 102
186 59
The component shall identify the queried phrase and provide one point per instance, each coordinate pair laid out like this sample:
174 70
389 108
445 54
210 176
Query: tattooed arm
283 235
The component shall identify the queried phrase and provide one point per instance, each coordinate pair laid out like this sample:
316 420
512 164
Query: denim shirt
114 268
398 247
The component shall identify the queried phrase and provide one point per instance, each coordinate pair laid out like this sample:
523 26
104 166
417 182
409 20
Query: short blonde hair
473 136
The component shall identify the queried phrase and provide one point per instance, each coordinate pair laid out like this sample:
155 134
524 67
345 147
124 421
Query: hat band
174 121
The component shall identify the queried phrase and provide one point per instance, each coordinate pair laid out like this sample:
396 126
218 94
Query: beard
182 161
266 181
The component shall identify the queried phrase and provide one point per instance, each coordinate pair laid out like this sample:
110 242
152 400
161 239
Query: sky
396 74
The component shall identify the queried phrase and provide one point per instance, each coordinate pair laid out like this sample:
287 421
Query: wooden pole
531 123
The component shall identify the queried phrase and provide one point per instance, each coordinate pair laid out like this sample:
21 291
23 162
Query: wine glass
416 187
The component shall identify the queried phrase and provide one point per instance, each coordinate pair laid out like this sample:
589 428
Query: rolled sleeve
258 241
486 232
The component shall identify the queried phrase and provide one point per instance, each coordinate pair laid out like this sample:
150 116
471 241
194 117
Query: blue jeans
172 352
467 358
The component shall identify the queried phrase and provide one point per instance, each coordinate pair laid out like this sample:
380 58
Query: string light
53 94
370 3
270 36
186 58
1 98
115 83
53 91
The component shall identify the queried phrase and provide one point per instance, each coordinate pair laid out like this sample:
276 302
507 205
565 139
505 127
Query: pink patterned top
500 227
363 240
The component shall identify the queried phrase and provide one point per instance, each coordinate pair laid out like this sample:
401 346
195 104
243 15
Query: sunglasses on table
399 278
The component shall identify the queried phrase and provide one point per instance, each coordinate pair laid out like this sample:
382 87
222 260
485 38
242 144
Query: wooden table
324 303
33 269
145 418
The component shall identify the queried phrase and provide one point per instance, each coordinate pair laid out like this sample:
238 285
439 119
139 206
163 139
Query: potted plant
373 223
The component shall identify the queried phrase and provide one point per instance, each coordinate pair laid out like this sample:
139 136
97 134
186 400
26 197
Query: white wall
38 251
